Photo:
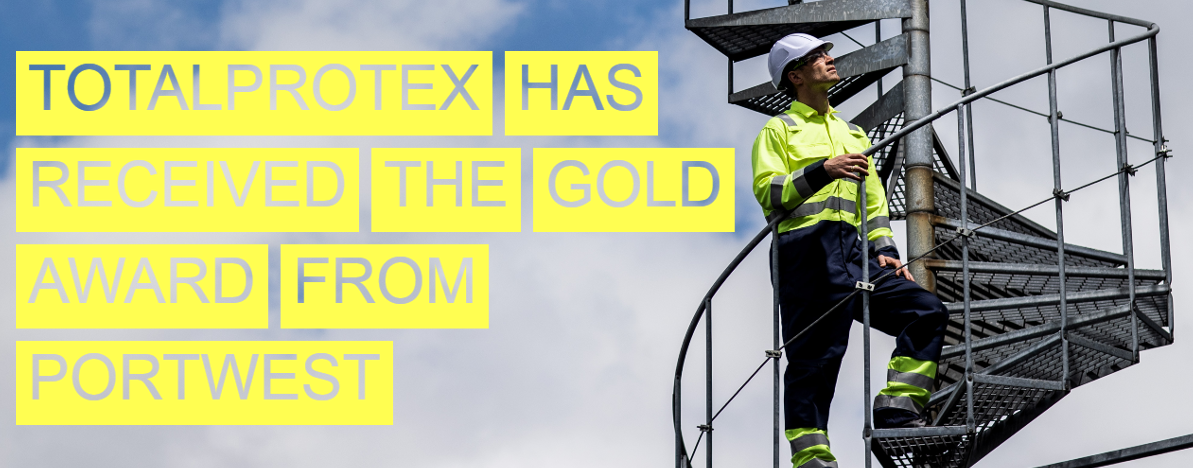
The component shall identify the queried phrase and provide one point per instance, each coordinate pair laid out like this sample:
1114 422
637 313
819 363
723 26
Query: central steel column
917 94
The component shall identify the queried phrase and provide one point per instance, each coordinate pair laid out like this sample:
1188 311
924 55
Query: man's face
819 73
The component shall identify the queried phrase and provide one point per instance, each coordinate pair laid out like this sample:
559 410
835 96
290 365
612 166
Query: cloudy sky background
576 366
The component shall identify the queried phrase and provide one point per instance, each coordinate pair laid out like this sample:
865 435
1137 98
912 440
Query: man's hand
847 166
884 261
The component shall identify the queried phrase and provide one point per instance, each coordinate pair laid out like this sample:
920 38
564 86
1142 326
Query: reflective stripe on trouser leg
909 378
901 402
810 448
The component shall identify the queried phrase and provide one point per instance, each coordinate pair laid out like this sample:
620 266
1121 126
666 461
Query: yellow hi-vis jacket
788 161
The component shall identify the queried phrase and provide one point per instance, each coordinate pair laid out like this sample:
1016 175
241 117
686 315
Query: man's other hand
884 261
847 166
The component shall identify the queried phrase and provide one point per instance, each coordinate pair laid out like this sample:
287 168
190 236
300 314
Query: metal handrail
682 459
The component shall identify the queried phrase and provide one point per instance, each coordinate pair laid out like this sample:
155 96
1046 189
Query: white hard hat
790 48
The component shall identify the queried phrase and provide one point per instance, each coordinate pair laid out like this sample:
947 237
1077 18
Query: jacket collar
807 112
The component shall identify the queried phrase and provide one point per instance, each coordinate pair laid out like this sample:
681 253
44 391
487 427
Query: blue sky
576 366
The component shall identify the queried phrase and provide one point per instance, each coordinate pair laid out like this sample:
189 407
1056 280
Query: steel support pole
1124 187
1054 120
969 419
877 39
774 274
708 381
1161 183
868 427
917 98
973 168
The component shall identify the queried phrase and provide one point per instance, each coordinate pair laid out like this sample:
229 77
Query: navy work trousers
819 266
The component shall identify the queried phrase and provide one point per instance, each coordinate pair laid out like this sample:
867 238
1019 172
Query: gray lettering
38 378
270 183
601 183
355 280
292 88
170 182
477 182
219 280
465 275
303 279
457 181
269 376
84 182
233 88
377 69
144 378
716 183
586 188
418 280
360 372
38 184
311 165
79 368
190 280
351 87
143 266
407 86
120 185
402 165
47 265
335 383
650 201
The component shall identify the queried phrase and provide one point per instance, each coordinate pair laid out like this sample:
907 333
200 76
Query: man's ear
794 78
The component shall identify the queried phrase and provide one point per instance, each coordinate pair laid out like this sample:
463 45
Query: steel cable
884 276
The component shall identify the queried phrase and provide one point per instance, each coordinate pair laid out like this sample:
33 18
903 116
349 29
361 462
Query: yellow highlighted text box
489 188
359 93
300 382
425 286
633 190
595 93
87 286
206 186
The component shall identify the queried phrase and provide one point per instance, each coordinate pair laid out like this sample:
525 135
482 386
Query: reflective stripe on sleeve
911 378
901 402
830 203
808 441
818 463
854 127
878 222
776 192
884 242
787 120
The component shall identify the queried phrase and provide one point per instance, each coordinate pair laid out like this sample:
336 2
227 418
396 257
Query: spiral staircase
1044 317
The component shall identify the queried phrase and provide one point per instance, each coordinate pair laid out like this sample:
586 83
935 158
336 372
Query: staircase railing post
917 98
1054 120
973 168
1161 183
868 427
964 233
1124 188
708 381
774 275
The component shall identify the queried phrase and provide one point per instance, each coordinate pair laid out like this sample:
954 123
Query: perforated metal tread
752 33
1015 325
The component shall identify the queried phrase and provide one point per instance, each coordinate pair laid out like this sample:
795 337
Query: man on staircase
806 160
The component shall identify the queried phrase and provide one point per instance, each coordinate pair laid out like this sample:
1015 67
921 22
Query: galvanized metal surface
1038 316
1128 454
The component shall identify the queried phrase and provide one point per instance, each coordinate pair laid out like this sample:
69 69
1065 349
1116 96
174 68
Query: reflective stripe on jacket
788 161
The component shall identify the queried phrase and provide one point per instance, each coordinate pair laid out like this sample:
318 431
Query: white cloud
576 366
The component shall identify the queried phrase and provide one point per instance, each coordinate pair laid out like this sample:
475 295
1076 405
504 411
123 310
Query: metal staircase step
858 69
1038 245
991 280
752 33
